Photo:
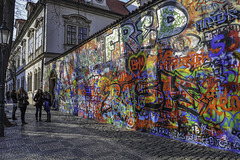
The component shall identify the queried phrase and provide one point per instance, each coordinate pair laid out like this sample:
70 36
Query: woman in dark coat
22 99
14 99
47 106
38 98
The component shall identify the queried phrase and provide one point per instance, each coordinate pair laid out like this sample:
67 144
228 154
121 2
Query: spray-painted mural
172 70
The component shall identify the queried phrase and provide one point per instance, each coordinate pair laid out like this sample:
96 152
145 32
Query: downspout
44 28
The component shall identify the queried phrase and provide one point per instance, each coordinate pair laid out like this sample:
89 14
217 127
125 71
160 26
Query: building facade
52 27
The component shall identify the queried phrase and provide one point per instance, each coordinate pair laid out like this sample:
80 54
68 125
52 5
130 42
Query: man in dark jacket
38 98
14 99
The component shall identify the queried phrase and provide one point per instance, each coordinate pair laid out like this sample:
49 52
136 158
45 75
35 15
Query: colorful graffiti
171 70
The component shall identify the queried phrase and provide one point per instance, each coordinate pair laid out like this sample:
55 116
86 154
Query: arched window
30 81
22 81
39 78
29 86
35 80
18 83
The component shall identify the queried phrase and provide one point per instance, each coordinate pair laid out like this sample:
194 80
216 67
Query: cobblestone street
70 137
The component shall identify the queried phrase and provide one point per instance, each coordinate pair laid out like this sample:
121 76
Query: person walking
14 99
38 98
22 99
47 105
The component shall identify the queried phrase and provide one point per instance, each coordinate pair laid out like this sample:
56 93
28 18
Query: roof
117 7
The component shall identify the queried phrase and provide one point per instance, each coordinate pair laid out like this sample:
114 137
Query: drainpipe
44 29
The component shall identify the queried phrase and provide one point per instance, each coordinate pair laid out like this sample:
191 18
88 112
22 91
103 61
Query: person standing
14 99
22 99
47 106
38 98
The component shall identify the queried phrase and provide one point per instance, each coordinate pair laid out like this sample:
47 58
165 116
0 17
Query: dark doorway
52 83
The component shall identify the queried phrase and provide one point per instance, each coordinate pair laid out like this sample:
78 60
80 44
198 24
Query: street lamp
5 35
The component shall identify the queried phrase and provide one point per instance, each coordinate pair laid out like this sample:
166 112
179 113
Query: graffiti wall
171 70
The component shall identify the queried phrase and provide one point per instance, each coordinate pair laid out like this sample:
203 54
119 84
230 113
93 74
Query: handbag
25 102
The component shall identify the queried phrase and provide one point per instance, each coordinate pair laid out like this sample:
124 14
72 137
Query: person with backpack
47 105
14 99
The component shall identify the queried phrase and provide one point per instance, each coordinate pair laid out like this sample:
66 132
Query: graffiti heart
137 63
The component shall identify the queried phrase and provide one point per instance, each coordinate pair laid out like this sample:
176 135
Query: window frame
30 47
35 80
23 52
76 21
29 82
18 83
22 81
82 34
38 38
39 78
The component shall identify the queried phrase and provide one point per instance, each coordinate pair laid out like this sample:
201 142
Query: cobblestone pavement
70 137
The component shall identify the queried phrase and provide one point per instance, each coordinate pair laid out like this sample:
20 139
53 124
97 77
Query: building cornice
40 57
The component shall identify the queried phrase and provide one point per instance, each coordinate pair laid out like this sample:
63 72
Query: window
30 46
23 53
18 61
71 34
82 34
18 83
39 78
76 29
29 82
18 57
39 38
28 88
22 82
35 80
